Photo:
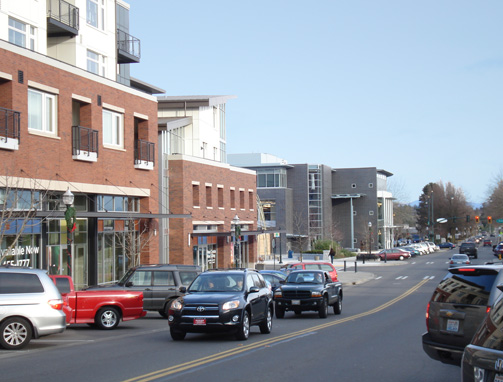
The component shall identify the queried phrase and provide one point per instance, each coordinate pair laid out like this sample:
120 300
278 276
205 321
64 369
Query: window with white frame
113 129
42 111
95 13
21 34
95 63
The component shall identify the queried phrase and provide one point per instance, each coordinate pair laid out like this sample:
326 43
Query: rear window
20 283
63 285
466 287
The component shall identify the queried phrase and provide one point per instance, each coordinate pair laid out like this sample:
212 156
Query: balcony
128 48
10 132
62 19
84 144
144 153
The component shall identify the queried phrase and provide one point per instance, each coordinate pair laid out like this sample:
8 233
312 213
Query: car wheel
16 333
266 325
338 305
401 257
323 310
107 318
165 312
177 335
244 329
280 312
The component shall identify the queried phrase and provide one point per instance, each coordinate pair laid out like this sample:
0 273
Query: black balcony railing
10 124
128 48
144 151
84 139
62 18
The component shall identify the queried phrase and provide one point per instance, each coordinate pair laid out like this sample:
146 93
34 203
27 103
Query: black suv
229 300
482 358
469 249
159 283
457 307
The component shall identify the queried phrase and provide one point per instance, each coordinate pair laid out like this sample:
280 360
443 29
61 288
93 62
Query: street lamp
70 226
370 241
237 234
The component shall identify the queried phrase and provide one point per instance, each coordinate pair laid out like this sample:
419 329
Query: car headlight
315 293
234 304
177 305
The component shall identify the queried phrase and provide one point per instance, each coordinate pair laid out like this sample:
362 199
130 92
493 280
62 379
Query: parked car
447 244
482 358
413 251
223 301
159 283
30 307
274 278
458 260
457 307
308 290
488 243
394 254
315 265
104 308
433 246
469 249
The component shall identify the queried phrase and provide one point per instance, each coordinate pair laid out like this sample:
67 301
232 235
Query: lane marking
268 342
401 277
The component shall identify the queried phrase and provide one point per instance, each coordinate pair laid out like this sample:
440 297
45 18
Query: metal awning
347 196
110 215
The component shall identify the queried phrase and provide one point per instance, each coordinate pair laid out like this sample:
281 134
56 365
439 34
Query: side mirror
253 289
129 284
183 289
282 281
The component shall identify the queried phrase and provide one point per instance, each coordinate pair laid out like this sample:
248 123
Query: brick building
71 118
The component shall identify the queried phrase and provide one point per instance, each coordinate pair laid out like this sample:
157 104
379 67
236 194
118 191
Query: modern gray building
302 203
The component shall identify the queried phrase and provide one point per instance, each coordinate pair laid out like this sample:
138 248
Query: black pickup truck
308 290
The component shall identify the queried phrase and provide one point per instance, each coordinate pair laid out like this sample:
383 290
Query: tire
323 310
107 318
280 312
164 312
338 305
401 258
244 328
16 333
177 335
266 325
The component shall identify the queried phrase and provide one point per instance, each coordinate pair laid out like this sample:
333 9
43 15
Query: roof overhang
171 123
181 102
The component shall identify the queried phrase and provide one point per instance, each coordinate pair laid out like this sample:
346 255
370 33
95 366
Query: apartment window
208 197
220 197
271 177
233 198
251 201
95 13
21 34
223 154
113 129
96 63
42 112
241 199
195 195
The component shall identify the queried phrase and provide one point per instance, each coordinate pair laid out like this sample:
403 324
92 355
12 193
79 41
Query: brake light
488 309
56 304
428 317
466 269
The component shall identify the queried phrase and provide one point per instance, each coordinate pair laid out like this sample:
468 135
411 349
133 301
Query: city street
377 336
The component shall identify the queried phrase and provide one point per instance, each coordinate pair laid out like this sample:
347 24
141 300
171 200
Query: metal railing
84 139
144 151
128 44
64 12
10 124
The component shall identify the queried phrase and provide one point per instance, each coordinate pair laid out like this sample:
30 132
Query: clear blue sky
412 87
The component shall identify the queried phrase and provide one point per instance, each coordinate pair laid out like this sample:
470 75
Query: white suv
30 306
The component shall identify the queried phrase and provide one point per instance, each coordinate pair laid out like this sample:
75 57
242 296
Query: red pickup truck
103 308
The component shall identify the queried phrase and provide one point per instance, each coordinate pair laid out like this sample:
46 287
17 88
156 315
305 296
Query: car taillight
488 309
428 317
56 304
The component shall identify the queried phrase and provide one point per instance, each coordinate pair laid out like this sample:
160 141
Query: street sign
441 220
499 220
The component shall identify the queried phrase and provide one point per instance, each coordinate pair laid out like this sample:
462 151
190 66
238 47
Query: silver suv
30 307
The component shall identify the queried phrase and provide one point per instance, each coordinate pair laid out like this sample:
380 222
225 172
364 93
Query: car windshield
209 282
305 277
124 278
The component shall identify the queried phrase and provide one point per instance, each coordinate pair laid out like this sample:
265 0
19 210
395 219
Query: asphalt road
377 337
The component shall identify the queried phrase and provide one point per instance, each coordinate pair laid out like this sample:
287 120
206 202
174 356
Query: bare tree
135 237
300 227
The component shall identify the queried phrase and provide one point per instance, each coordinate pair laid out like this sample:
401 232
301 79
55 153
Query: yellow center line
231 352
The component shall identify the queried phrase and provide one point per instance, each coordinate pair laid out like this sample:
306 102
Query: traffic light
477 218
489 219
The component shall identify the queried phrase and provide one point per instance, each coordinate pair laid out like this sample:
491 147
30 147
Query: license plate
452 325
199 321
295 302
